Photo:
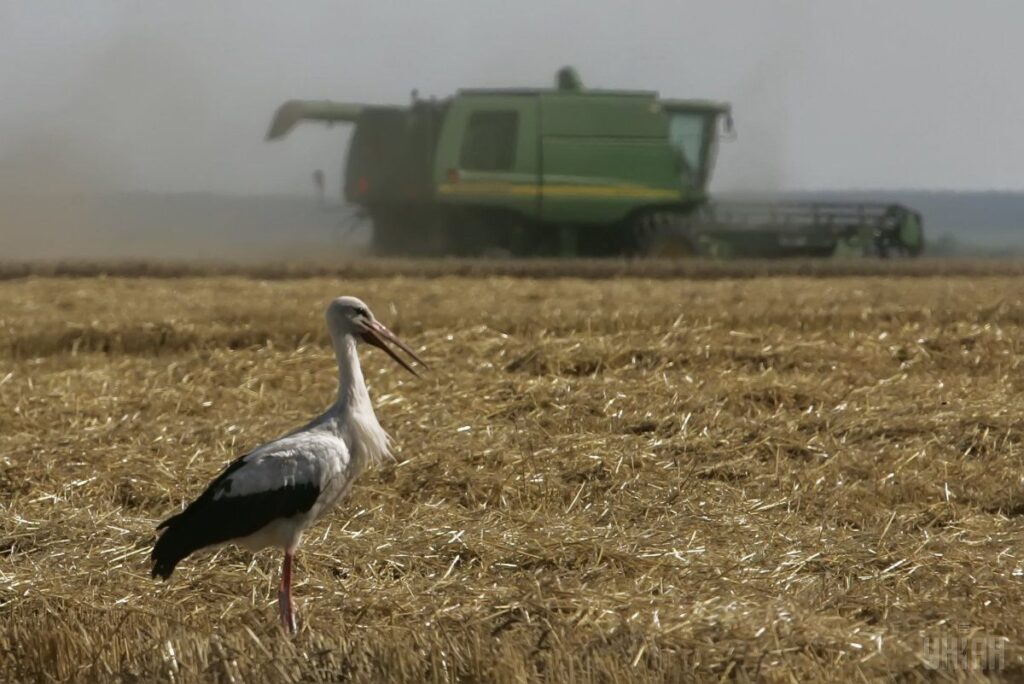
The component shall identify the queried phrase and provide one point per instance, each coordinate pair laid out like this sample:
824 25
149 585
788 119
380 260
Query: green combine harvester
568 171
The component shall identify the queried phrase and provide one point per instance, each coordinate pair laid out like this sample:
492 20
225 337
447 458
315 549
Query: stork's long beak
376 334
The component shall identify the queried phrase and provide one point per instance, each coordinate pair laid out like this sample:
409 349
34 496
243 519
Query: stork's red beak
376 334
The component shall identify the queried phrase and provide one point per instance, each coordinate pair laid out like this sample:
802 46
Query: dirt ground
782 478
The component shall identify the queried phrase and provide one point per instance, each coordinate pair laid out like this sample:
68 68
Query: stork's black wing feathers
213 520
210 489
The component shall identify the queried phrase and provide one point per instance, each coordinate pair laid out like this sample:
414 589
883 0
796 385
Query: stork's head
348 316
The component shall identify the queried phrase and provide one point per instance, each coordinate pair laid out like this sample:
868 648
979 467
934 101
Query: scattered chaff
782 478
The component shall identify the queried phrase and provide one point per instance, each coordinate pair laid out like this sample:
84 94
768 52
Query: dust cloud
79 182
755 163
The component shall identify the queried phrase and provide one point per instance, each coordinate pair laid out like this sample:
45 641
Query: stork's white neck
352 392
352 417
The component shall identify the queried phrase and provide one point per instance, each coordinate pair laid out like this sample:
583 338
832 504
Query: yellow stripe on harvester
493 188
489 188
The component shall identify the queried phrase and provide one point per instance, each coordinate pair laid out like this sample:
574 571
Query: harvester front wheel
664 235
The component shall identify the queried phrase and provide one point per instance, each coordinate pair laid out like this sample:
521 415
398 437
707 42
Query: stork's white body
330 452
323 459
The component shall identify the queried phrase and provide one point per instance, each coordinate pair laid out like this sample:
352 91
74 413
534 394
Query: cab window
687 131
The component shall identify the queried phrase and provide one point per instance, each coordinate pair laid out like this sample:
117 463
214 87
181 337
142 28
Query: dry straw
779 479
346 266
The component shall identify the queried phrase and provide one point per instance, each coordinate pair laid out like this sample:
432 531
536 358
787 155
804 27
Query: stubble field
779 478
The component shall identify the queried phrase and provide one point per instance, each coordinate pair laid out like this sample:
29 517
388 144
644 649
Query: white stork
270 495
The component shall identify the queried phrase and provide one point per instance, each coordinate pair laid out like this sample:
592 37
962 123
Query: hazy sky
827 94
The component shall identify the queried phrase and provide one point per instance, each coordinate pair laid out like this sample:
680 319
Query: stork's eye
363 312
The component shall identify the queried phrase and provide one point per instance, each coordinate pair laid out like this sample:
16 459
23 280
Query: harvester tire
664 235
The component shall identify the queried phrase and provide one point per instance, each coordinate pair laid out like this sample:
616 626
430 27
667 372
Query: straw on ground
778 478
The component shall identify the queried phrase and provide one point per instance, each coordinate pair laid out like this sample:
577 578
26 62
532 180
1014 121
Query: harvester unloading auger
574 171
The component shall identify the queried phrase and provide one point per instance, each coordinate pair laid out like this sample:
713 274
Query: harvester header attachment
293 111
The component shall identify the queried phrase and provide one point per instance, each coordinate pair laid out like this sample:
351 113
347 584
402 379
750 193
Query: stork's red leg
284 594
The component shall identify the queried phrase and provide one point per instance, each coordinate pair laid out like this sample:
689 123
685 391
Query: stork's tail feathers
173 545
